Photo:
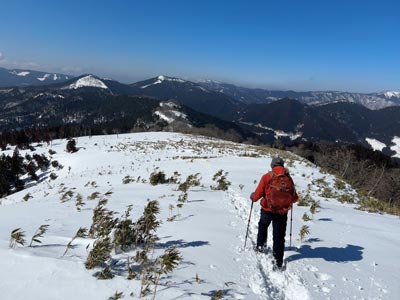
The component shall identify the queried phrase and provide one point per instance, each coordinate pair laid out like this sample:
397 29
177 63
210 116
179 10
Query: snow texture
392 94
162 78
45 76
164 117
279 133
396 146
349 254
23 73
375 144
87 81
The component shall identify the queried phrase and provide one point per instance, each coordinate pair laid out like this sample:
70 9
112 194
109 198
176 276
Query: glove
251 196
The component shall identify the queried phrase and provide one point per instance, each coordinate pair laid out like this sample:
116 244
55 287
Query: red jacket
263 190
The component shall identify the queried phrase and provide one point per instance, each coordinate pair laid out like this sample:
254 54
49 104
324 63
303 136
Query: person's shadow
333 254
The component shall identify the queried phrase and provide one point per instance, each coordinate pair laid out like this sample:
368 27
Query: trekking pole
248 224
291 222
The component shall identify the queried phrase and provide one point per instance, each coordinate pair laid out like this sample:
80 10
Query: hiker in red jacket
277 193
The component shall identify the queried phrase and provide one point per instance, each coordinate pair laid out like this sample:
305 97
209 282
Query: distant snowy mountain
249 95
332 116
171 83
391 94
22 77
290 120
87 81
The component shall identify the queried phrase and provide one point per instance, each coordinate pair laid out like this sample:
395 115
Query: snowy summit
88 81
392 94
160 79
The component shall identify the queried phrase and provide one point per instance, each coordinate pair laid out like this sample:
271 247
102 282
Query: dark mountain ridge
287 119
24 77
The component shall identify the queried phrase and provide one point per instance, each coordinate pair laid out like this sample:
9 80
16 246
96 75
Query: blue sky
351 45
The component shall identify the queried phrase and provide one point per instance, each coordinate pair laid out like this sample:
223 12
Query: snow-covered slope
250 95
169 112
392 94
87 81
396 146
349 254
375 144
162 78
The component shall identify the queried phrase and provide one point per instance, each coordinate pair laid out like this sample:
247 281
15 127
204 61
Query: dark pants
278 233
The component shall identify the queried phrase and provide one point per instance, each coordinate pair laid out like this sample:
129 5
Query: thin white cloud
19 64
70 69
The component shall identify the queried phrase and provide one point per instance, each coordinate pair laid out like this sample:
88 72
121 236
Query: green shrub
306 217
105 274
340 184
158 178
327 192
99 254
304 231
373 205
17 237
320 182
191 181
304 200
315 207
27 197
346 198
222 183
128 179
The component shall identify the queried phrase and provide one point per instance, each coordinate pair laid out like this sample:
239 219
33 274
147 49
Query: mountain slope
190 94
23 77
249 95
300 120
382 124
90 103
348 254
289 120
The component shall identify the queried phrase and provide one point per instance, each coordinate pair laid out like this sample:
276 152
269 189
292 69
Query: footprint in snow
312 269
326 289
322 276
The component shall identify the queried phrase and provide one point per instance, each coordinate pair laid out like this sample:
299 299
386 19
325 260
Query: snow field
348 254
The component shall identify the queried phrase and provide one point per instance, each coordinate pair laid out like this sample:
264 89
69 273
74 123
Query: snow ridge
391 94
169 112
23 73
161 79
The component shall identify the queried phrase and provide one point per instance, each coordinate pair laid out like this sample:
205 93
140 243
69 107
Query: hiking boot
278 266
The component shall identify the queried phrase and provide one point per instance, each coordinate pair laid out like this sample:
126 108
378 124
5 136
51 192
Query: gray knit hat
277 161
